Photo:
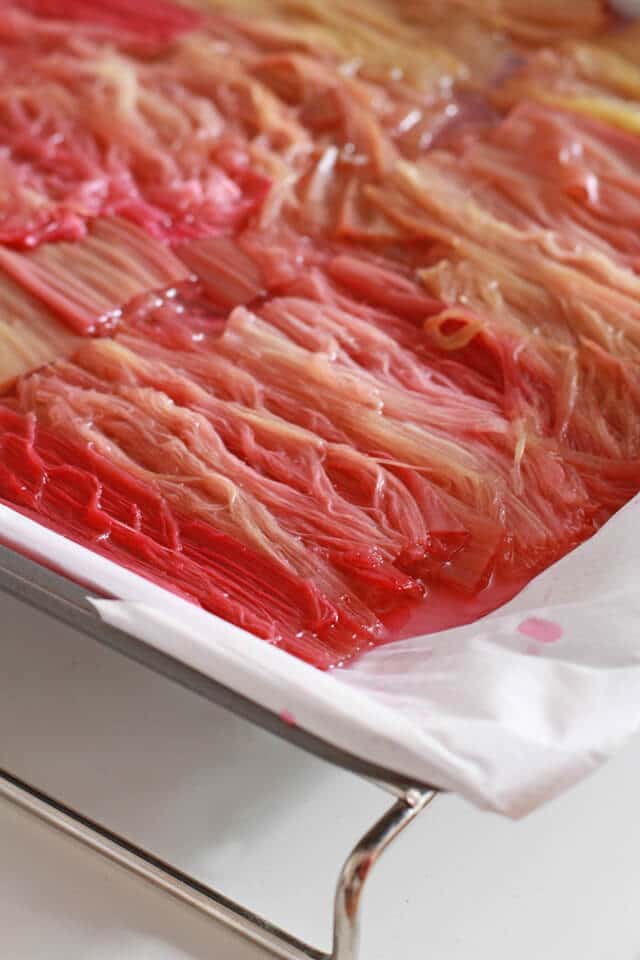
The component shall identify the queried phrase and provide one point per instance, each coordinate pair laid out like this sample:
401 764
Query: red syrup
445 607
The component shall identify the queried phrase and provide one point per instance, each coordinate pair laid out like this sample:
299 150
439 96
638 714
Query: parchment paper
488 710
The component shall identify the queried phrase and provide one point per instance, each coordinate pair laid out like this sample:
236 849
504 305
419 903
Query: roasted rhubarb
325 318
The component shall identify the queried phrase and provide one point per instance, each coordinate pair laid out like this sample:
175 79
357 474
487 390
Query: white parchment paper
485 710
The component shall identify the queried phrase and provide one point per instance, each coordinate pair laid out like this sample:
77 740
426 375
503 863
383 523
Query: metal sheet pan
59 597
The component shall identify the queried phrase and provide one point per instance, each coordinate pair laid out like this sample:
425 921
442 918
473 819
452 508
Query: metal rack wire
58 597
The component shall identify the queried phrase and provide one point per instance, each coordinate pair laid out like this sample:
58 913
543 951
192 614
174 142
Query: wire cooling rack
65 601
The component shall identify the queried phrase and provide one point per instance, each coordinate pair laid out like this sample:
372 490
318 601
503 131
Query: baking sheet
508 712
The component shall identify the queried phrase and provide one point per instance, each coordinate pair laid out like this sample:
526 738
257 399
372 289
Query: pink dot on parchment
545 631
287 717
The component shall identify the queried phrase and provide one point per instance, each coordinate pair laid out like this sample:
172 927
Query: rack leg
277 942
346 931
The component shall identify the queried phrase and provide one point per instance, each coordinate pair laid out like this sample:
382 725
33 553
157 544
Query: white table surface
270 826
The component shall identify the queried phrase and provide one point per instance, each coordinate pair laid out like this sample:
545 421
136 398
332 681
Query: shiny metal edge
59 597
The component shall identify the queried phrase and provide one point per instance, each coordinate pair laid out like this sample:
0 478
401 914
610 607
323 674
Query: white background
270 826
